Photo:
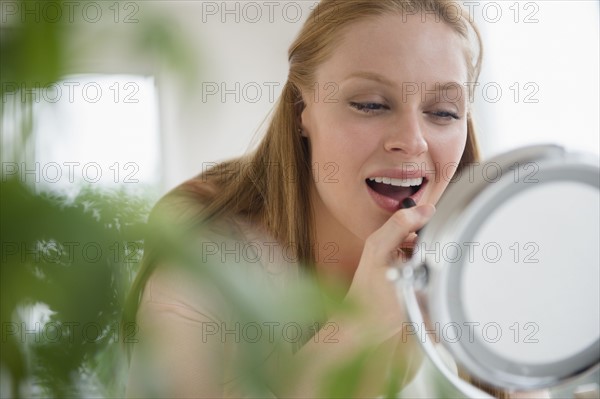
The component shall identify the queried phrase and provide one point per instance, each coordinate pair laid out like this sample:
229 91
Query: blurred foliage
32 49
37 39
75 258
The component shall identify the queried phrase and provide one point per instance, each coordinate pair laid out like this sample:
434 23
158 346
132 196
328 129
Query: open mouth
393 191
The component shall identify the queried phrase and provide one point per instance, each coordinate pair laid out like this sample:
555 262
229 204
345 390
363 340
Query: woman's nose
406 135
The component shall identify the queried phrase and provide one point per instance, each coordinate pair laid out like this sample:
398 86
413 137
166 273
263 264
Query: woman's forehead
399 48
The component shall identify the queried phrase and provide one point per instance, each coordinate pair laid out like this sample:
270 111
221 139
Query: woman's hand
370 287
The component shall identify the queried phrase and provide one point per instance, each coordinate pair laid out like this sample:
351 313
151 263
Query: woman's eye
368 108
443 115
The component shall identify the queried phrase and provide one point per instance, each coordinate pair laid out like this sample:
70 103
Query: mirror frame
426 286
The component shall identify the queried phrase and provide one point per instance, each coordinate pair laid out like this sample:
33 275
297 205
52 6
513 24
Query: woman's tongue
396 192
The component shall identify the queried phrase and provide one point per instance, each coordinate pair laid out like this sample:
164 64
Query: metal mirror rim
433 293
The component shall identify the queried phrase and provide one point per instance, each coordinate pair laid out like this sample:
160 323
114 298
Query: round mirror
507 273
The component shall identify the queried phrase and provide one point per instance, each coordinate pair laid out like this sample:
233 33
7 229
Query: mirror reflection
533 282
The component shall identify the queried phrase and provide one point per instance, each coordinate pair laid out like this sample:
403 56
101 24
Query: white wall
551 50
244 59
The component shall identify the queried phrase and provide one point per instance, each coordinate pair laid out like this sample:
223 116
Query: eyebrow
381 79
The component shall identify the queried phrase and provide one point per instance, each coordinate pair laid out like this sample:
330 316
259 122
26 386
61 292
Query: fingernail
408 203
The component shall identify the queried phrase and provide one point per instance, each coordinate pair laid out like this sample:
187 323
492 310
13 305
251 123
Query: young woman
375 110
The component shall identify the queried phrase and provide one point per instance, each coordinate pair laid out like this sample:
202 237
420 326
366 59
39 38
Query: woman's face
388 120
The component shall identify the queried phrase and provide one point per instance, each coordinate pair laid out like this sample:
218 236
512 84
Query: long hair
271 184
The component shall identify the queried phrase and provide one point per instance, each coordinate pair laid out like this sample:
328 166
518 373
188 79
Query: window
101 130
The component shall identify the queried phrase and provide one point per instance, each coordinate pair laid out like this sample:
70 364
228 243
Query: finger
398 228
410 240
408 203
406 249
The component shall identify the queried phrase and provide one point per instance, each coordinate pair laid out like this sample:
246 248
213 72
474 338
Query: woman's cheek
446 167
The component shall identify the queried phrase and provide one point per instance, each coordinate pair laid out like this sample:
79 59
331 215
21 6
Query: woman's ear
299 108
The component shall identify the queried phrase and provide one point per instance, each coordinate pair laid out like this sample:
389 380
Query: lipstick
408 203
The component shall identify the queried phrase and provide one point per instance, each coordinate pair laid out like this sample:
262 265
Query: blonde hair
270 185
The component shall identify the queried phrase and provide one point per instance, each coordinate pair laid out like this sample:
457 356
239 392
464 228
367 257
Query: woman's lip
391 205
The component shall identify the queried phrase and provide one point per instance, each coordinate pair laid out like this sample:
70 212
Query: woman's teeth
398 182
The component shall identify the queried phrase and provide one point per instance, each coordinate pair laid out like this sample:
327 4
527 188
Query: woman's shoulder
241 237
234 263
233 242
187 200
